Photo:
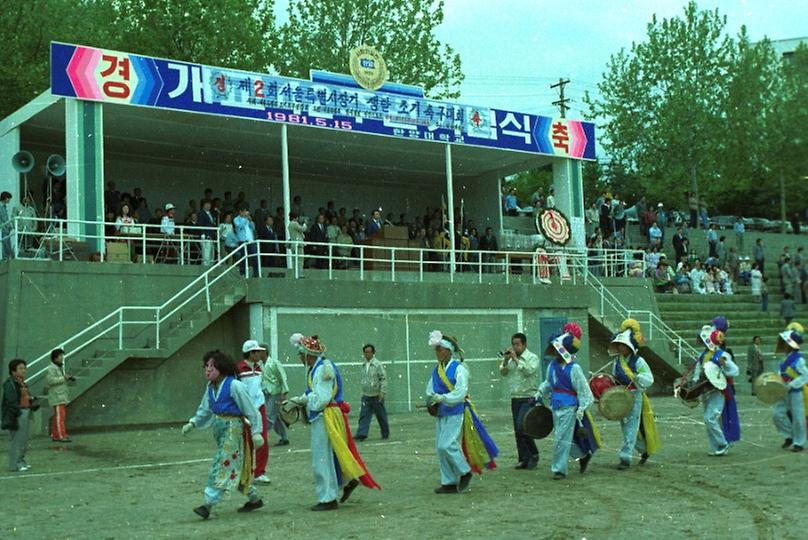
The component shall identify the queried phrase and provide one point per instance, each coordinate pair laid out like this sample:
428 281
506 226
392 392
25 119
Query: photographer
57 395
16 414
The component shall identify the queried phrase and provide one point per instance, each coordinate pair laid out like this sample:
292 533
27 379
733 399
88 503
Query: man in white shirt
521 369
250 373
167 225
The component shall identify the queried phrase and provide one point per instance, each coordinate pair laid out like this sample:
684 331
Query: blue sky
512 50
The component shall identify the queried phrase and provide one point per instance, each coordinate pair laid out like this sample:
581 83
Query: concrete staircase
92 363
687 313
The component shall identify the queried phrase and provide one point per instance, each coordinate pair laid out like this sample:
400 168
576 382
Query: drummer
789 412
570 397
720 410
631 370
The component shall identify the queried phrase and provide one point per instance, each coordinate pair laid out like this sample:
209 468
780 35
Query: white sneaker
23 468
264 479
719 453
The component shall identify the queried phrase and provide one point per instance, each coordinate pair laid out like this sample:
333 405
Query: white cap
659 205
251 345
169 206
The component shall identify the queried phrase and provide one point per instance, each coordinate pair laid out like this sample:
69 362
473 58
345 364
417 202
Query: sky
512 50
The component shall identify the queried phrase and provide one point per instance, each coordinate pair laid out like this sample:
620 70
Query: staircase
687 313
154 332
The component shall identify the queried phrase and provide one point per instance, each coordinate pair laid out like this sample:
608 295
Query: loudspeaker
23 161
55 165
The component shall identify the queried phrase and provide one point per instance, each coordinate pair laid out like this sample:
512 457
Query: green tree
321 33
659 104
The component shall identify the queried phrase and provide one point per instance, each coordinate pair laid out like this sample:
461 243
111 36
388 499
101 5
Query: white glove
579 414
258 441
298 401
437 398
187 428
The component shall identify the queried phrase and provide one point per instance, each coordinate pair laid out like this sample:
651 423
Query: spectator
756 281
112 198
297 232
705 220
245 234
137 195
167 225
228 204
57 381
754 361
6 228
227 234
192 209
374 224
740 230
261 213
511 203
605 218
16 414
787 275
241 203
297 206
550 201
721 252
27 224
787 308
266 232
124 223
712 241
693 206
537 199
662 219
157 218
318 234
795 223
592 215
680 243
641 207
759 256
724 281
276 390
655 236
191 220
682 280
343 251
618 213
333 229
143 213
733 266
488 243
374 390
207 220
795 285
663 277
798 257
697 278
474 246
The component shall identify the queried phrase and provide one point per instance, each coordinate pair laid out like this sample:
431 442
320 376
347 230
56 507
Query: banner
108 76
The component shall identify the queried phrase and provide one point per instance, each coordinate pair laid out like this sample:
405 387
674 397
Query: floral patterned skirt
233 462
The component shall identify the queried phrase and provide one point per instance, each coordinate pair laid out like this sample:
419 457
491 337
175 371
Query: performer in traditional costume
570 397
631 370
336 462
789 413
250 374
461 441
229 409
720 409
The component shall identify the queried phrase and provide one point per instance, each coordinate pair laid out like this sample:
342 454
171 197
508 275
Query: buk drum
616 403
769 388
538 422
600 383
690 391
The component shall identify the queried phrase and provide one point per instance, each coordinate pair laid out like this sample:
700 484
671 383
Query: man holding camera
57 395
521 368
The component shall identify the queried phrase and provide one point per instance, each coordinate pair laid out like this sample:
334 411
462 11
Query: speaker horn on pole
55 165
23 161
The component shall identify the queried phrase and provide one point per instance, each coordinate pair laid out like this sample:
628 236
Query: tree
659 103
321 33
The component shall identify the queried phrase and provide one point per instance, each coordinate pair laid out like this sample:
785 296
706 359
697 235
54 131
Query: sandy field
143 484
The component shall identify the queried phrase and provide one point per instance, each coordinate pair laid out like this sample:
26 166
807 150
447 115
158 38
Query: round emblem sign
554 226
368 67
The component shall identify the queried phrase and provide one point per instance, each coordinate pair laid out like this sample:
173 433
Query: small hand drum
769 388
616 402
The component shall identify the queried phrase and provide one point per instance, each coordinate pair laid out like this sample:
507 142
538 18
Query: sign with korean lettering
115 77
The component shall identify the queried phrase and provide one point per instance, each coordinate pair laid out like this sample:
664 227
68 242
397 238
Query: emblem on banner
368 67
478 123
554 226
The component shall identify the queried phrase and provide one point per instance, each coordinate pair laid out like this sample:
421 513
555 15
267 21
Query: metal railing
649 320
115 323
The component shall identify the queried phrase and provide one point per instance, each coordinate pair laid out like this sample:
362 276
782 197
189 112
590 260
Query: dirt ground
144 484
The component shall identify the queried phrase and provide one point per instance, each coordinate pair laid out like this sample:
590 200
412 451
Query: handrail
237 257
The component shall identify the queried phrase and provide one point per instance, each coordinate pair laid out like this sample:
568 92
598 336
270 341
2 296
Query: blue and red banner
114 77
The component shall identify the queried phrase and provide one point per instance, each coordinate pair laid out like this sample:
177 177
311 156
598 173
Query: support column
569 195
9 178
257 321
450 209
287 202
84 142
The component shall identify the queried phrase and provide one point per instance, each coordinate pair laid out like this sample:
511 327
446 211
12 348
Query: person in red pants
250 373
58 395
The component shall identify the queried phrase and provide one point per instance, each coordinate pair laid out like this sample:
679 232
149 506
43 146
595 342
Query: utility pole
561 103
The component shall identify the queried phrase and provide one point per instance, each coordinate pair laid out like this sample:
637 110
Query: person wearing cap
789 412
720 409
250 374
632 371
461 441
167 225
228 409
335 460
521 369
276 391
570 397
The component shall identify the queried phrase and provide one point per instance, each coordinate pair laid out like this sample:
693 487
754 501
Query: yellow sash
595 432
475 449
652 442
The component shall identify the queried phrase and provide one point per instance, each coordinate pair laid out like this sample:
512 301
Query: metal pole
287 197
393 264
157 328
330 262
450 209
207 291
407 359
120 330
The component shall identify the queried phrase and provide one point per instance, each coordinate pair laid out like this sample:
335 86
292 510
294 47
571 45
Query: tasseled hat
307 344
437 339
566 343
791 339
629 335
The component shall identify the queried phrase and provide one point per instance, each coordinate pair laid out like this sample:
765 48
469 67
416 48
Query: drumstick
607 364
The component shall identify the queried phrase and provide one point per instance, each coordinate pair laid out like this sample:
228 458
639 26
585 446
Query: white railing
117 321
649 320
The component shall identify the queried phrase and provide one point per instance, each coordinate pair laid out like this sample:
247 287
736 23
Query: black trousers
525 446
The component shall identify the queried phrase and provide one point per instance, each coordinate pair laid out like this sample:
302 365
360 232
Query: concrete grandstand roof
199 140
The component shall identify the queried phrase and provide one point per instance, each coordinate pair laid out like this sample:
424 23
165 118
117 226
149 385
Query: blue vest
225 405
440 388
337 397
621 376
564 395
788 369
